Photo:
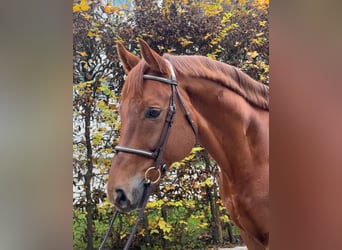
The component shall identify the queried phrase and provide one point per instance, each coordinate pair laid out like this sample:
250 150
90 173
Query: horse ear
155 61
128 59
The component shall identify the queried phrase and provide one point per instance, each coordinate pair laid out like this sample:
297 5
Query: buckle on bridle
147 177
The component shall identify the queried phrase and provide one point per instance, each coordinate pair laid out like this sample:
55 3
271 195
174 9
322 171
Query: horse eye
152 113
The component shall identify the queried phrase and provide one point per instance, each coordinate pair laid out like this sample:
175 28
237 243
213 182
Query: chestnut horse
227 112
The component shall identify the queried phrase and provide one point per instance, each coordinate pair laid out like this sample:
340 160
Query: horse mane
254 92
229 76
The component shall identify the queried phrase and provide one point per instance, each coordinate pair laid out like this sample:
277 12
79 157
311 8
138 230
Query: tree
95 112
235 34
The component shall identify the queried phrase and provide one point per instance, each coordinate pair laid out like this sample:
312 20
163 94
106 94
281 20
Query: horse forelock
133 86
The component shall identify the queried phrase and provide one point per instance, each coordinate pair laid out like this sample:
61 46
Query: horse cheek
179 145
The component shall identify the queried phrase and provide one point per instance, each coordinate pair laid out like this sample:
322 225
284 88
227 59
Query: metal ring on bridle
148 180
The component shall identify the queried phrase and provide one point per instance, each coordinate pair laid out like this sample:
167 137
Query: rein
146 194
157 154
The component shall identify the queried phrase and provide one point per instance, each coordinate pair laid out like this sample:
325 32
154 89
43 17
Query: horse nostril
121 198
120 195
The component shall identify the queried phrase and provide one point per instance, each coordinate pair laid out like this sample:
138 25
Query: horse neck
224 119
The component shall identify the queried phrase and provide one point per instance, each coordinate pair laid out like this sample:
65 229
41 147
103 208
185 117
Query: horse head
152 132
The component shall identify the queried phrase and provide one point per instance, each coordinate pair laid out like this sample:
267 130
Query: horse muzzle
121 201
126 201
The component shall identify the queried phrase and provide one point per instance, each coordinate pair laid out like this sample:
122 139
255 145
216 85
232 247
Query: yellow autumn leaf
83 53
262 2
87 16
183 222
207 35
101 104
142 232
214 41
203 225
170 50
242 2
225 218
208 182
185 43
125 6
253 54
262 23
263 78
162 224
190 204
122 235
196 149
76 8
160 47
167 237
211 56
84 7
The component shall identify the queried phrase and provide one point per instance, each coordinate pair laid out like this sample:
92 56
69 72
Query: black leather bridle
157 154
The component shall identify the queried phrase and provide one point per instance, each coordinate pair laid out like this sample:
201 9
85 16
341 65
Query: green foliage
185 226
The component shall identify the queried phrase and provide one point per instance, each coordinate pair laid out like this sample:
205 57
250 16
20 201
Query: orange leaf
125 6
107 9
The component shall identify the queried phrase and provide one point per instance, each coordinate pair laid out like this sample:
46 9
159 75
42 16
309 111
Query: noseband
157 154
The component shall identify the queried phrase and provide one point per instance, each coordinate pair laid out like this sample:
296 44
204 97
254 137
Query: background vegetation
186 211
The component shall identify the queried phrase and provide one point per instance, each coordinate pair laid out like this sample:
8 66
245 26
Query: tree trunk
164 215
230 234
147 238
87 179
216 227
217 217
